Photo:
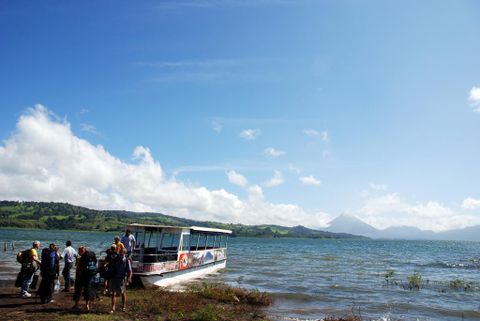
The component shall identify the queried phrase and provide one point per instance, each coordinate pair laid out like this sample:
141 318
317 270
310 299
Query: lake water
310 279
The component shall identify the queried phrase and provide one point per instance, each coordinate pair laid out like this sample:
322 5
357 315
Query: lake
310 279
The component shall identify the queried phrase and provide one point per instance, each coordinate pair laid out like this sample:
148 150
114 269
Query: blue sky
370 108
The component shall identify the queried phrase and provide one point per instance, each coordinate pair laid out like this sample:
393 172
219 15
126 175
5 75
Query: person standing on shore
119 246
86 270
49 271
69 255
129 242
29 267
107 270
122 269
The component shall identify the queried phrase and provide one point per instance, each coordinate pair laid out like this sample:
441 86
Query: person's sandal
124 309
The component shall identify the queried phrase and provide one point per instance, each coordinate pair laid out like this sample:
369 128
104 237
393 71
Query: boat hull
172 278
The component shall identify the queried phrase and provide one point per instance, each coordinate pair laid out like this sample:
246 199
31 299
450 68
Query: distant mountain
353 225
471 233
64 216
407 233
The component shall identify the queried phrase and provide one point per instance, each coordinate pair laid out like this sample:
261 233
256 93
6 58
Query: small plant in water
415 281
456 284
389 275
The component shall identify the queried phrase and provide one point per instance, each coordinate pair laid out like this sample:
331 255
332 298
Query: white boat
166 255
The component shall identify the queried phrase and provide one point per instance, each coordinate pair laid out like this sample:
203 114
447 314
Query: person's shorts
116 285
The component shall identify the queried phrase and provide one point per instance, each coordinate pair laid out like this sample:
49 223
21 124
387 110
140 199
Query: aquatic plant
329 258
389 275
415 281
456 284
226 294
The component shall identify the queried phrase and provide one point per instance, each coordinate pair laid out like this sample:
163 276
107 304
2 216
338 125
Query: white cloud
43 160
474 98
391 210
378 187
276 180
294 169
217 126
89 129
310 180
474 94
273 153
237 179
470 203
323 135
250 134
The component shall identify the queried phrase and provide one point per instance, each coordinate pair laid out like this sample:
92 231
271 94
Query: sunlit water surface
310 279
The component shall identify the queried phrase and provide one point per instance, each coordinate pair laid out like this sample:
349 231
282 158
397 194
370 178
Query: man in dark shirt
84 277
122 269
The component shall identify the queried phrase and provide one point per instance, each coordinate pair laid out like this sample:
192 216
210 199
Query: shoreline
205 302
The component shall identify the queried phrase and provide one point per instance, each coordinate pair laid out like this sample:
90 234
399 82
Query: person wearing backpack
86 270
49 270
121 269
29 260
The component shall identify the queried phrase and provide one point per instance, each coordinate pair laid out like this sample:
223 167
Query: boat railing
154 255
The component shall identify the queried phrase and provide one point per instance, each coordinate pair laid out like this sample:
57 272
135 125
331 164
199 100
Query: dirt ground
14 307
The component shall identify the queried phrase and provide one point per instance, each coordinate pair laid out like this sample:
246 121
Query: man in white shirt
69 255
129 242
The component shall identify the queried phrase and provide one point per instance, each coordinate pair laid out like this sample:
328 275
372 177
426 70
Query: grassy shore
206 302
202 302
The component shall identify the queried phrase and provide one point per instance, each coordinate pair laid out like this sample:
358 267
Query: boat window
140 238
223 241
210 241
185 242
166 240
175 241
170 241
201 241
195 239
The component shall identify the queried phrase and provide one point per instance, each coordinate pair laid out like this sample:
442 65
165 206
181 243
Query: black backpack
48 267
90 263
24 256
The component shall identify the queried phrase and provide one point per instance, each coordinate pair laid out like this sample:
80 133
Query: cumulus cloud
294 169
378 187
237 179
390 209
276 180
43 160
250 134
310 180
89 129
470 203
273 153
474 98
217 126
323 135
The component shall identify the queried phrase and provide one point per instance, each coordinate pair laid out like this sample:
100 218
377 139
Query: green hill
64 216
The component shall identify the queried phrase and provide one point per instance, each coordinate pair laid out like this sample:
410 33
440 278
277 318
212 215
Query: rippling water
311 279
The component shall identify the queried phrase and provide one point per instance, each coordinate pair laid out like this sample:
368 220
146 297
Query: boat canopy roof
192 228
